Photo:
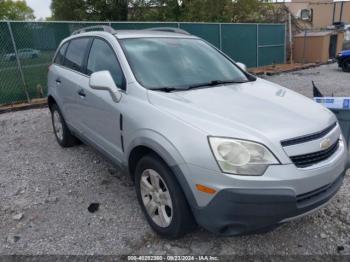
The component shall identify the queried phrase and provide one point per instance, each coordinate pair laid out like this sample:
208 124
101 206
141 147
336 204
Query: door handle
58 81
81 93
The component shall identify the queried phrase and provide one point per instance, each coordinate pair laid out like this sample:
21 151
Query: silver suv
204 141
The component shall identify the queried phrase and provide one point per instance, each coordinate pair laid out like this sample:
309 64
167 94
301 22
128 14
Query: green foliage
205 10
201 10
110 10
164 10
68 10
94 10
249 11
15 10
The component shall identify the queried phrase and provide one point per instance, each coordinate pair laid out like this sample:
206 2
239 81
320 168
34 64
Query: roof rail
169 29
104 28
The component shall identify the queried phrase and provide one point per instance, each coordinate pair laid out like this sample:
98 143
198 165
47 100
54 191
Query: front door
100 118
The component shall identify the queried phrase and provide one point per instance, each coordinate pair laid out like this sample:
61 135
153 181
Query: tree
201 10
175 10
95 10
15 10
248 11
163 10
205 10
107 10
69 10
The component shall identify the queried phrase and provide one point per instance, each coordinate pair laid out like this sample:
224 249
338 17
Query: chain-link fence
27 48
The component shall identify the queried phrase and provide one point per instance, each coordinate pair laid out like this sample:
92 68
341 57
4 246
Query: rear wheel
346 66
63 136
162 199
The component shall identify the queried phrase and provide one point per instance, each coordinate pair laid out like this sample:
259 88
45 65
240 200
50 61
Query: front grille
307 138
314 158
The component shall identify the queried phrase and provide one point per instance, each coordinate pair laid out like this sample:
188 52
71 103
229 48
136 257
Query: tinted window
75 54
59 59
102 57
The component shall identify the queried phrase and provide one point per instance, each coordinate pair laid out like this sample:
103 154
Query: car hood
257 110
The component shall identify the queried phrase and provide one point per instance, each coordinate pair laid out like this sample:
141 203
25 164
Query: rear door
70 79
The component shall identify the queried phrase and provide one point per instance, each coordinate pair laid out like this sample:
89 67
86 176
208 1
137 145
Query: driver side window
102 57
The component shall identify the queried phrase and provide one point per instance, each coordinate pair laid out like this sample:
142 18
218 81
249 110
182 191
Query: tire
176 213
63 136
346 66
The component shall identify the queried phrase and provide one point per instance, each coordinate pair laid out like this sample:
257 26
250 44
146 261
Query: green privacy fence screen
27 48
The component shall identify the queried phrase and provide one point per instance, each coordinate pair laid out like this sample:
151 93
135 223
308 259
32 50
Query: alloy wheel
156 198
57 124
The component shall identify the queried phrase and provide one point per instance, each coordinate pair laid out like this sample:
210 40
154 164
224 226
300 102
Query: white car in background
25 53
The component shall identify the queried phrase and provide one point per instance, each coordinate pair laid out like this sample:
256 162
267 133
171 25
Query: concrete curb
276 71
36 103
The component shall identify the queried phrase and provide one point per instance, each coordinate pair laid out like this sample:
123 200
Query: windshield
178 63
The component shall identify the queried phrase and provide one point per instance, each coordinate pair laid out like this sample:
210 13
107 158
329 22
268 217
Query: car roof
124 34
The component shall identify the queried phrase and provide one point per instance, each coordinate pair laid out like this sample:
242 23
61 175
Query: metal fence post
18 62
290 37
220 36
257 45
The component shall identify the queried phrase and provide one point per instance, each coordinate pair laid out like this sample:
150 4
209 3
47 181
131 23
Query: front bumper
241 211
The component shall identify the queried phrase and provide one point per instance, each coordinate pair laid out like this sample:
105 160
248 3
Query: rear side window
102 57
76 53
59 59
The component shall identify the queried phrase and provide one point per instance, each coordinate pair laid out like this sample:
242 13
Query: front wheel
161 198
346 66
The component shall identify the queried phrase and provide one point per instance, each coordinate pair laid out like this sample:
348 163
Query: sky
41 8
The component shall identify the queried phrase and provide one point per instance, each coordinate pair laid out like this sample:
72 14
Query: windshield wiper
216 83
206 84
164 89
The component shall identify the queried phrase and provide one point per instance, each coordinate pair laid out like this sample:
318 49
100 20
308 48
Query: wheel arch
162 148
346 60
50 101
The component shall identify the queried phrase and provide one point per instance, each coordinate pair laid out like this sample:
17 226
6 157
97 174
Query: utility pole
341 11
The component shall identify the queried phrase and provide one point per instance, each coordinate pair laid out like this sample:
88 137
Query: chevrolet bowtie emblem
325 144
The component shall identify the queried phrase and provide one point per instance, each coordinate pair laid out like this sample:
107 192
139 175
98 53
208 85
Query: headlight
241 157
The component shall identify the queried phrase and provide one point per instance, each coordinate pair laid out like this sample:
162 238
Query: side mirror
103 80
242 66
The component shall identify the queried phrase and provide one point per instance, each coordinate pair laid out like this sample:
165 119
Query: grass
35 73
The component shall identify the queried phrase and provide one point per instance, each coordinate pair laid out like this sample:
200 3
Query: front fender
158 143
168 152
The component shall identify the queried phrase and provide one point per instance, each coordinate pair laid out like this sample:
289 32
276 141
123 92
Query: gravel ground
45 191
328 78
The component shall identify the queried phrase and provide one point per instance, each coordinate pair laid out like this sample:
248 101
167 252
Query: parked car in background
24 53
343 59
205 141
